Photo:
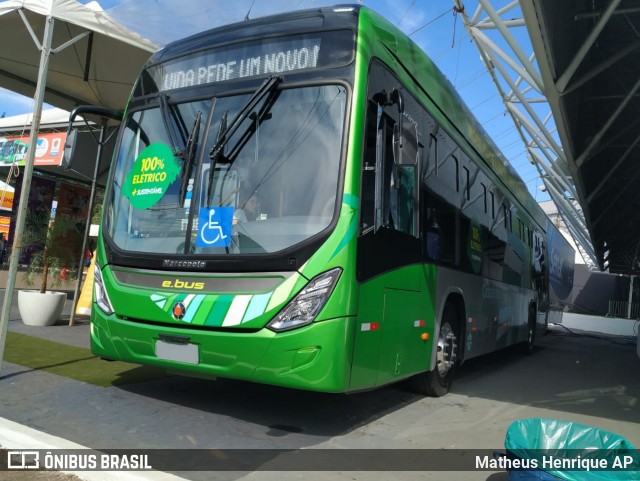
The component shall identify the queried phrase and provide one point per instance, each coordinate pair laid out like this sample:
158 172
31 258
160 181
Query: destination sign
248 60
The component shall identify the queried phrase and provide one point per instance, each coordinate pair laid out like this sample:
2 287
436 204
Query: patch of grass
74 362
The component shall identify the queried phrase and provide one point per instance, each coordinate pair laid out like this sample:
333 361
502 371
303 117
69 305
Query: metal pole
88 227
631 279
26 183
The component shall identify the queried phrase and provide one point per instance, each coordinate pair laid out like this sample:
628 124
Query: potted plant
50 260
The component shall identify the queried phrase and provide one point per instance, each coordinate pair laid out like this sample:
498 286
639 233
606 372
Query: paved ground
582 378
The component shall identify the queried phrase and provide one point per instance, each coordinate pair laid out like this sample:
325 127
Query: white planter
38 309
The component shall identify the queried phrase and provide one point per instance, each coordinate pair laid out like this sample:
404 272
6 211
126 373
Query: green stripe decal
351 201
219 311
282 293
165 302
204 308
159 300
236 310
173 300
193 307
257 306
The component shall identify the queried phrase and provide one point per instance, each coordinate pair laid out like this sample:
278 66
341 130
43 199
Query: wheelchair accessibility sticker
214 227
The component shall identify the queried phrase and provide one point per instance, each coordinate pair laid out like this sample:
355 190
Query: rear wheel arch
447 349
456 302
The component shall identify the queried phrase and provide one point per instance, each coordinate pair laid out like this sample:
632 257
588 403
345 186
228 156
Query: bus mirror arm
386 99
96 111
398 99
72 133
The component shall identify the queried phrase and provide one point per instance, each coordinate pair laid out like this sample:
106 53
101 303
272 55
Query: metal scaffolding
519 84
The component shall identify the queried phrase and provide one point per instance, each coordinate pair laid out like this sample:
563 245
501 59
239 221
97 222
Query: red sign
49 149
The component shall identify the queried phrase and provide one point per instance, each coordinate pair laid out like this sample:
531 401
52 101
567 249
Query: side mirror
69 148
397 99
408 154
72 133
405 134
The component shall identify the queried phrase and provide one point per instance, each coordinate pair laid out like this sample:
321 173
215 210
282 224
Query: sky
432 24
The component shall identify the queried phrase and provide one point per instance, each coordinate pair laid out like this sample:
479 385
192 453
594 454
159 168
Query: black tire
438 381
529 345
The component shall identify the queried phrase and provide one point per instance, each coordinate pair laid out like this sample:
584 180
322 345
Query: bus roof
317 19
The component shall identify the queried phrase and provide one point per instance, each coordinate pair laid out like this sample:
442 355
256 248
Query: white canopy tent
55 116
98 68
65 54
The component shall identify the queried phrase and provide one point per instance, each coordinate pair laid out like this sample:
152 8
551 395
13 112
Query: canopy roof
99 68
51 119
588 55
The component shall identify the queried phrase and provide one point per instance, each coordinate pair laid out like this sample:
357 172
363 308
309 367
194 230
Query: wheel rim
532 329
447 354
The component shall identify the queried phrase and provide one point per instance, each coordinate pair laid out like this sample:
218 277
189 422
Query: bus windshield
272 184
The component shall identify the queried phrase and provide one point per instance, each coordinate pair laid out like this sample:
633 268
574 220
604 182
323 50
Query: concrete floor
589 378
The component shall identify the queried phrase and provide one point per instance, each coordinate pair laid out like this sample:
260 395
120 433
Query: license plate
187 353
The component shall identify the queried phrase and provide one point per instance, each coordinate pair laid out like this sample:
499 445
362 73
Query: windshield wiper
269 85
214 160
190 156
166 113
186 154
257 119
225 133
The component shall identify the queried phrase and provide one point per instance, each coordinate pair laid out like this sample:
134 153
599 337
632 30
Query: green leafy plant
51 251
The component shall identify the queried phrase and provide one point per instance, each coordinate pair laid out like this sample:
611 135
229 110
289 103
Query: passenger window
389 198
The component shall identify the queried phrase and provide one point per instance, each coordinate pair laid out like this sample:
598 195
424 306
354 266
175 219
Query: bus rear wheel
438 381
529 344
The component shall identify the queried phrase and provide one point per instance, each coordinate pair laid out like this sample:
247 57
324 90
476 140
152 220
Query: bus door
387 344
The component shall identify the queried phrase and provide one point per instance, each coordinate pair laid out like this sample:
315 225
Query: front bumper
316 357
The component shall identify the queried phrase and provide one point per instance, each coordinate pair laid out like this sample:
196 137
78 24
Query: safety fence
621 309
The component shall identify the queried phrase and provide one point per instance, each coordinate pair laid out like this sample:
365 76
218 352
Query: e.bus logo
180 284
23 460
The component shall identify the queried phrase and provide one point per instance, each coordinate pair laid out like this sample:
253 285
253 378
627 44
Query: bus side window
402 199
367 205
396 185
432 234
389 236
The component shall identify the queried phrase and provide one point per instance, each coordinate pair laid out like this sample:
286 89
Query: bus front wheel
438 381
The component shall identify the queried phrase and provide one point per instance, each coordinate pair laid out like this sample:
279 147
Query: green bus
303 200
13 150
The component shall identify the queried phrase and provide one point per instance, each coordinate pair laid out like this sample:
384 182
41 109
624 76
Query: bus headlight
304 308
100 293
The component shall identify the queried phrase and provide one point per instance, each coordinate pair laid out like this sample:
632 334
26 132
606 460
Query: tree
47 239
